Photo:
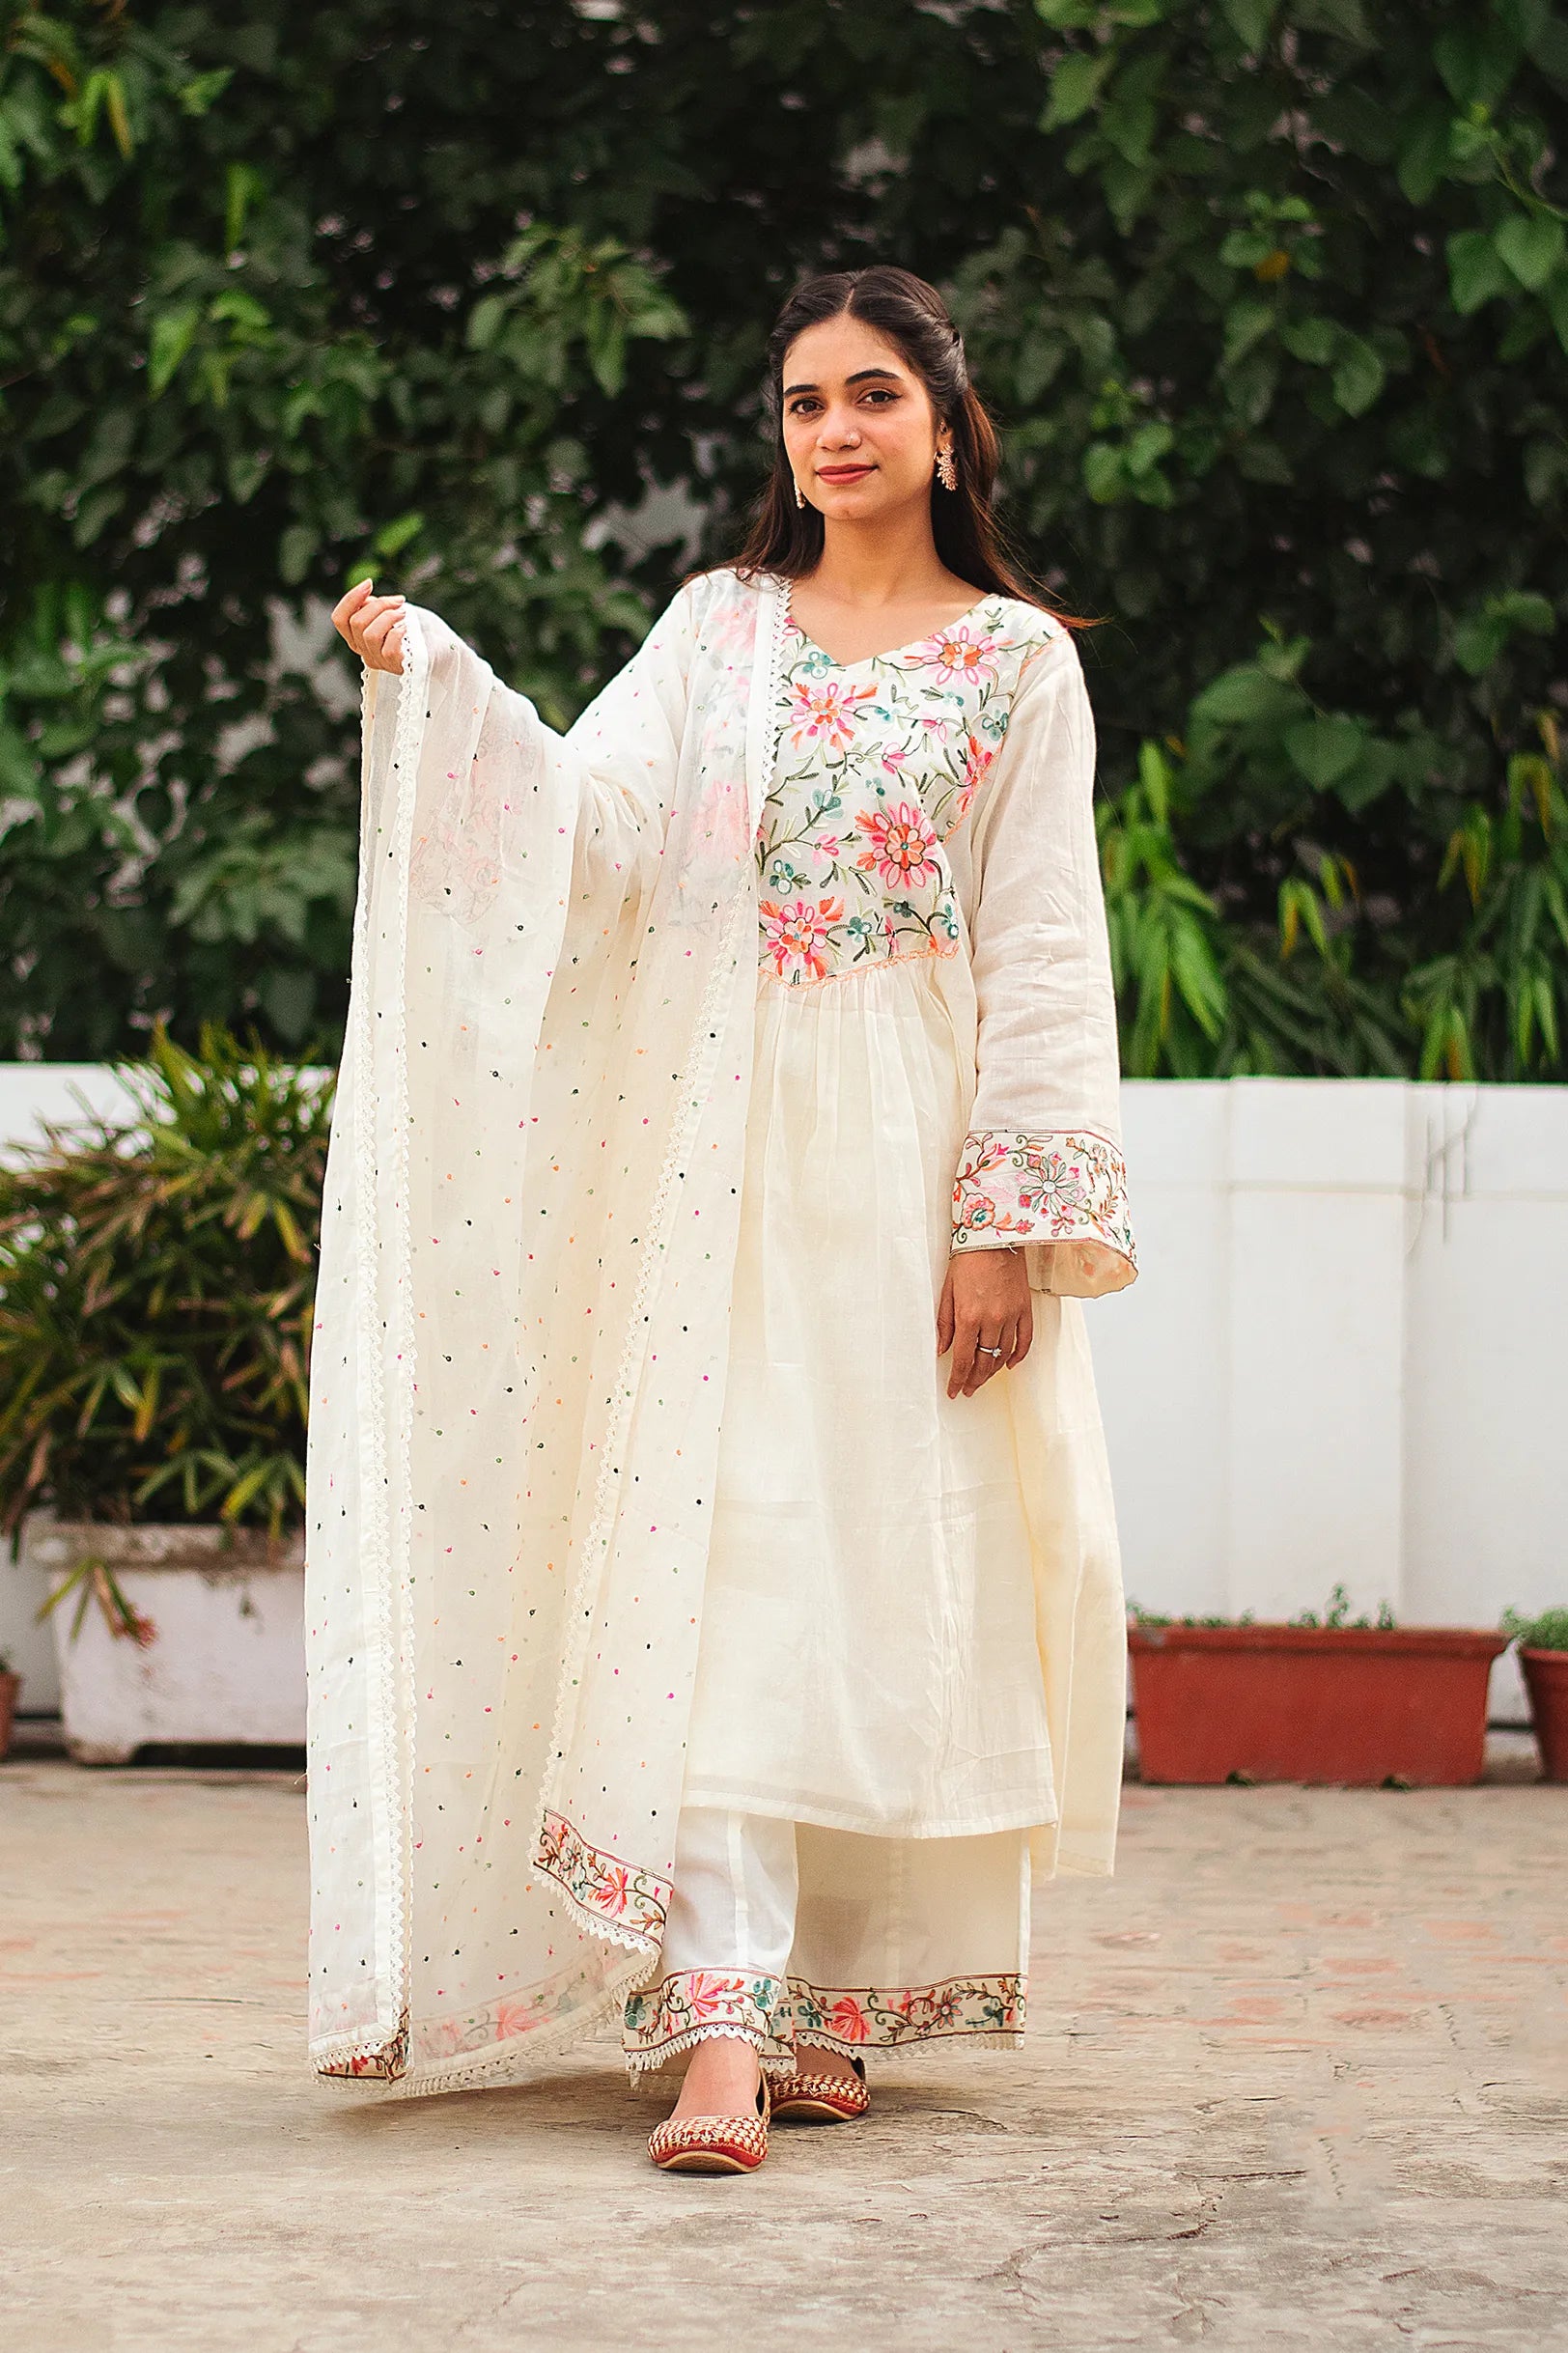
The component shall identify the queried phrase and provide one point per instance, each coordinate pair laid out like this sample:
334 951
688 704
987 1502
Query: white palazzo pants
733 1909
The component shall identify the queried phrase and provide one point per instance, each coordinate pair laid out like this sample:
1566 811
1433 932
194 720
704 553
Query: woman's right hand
373 626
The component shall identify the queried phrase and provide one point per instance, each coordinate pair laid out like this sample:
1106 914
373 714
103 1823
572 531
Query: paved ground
1298 2078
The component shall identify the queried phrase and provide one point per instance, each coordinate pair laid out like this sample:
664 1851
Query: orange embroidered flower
901 844
797 937
847 2020
825 709
958 655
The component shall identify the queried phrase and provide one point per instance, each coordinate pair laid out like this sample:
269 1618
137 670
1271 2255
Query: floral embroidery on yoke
876 763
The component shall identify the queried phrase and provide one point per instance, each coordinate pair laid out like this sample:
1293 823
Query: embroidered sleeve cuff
1066 1193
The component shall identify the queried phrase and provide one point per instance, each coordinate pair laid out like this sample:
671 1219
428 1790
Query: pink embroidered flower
797 937
516 2016
957 653
901 844
614 1887
708 1994
825 709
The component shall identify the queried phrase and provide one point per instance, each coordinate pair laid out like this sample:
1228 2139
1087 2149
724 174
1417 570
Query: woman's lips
843 474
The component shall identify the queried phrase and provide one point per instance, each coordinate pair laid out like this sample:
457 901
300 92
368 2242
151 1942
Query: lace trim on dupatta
380 2054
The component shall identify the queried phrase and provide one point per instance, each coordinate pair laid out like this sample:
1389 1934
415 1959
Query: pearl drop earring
800 496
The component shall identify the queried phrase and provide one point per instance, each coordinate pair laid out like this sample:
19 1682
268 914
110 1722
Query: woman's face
859 431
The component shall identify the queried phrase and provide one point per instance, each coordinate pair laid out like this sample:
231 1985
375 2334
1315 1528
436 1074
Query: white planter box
227 1663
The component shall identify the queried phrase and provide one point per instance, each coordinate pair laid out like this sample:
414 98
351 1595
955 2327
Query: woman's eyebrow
860 377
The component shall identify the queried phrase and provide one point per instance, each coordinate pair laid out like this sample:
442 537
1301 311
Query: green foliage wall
1273 296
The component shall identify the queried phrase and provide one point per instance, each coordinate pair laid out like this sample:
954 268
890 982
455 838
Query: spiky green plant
1547 1631
156 1284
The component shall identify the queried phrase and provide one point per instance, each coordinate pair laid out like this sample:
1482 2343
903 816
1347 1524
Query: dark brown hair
787 539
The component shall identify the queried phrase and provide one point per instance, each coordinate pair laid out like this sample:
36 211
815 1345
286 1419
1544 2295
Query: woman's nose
839 427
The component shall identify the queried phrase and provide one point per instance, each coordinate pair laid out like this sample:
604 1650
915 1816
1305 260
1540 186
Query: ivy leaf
1479 640
1423 155
1245 696
1476 270
1532 244
1246 323
295 550
1102 475
1310 339
173 334
1325 749
1250 20
394 537
1075 85
1358 376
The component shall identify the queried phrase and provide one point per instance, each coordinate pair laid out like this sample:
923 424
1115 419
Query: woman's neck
869 567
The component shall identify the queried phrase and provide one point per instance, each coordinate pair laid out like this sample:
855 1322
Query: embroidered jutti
683 1050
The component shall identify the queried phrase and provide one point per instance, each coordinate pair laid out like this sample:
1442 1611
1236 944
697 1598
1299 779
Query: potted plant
10 1692
156 1280
1543 1657
1336 1699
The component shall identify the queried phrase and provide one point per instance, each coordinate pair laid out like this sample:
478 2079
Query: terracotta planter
226 1660
1546 1679
1308 1703
9 1690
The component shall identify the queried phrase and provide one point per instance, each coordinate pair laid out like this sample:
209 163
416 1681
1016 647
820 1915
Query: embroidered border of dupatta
610 1896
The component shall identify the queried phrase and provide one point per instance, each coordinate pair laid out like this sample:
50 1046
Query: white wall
1344 1361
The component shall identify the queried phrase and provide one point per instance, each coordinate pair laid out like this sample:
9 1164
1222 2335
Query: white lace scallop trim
382 1589
643 2062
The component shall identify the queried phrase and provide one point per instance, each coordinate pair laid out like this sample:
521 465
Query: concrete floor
1297 2078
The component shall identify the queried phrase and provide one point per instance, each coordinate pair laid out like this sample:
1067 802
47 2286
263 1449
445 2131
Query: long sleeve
1041 1164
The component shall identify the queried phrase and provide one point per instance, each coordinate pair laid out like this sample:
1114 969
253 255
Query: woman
715 1600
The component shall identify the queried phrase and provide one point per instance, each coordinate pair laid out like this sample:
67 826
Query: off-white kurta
538 1286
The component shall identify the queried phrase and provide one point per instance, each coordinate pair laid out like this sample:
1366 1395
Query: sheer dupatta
517 1370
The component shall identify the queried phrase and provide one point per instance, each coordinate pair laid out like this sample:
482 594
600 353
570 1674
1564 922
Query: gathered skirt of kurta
868 1657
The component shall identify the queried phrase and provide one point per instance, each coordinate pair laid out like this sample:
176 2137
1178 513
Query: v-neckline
912 646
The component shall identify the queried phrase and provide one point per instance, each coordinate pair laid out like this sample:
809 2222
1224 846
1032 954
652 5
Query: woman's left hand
985 1304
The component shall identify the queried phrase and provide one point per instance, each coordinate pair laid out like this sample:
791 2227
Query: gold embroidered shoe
712 2145
823 2099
